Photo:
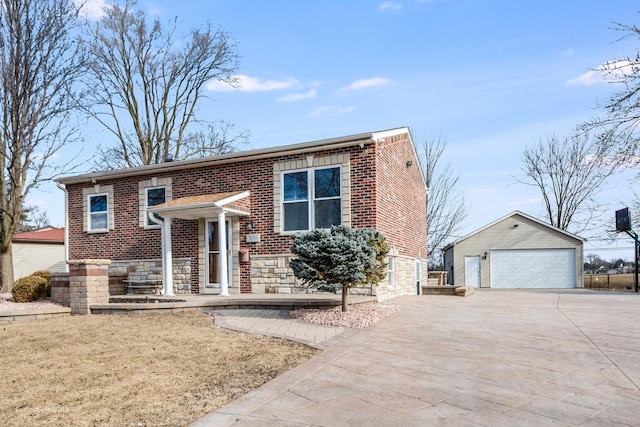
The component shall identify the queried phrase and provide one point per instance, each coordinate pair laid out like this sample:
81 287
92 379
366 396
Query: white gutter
66 225
167 258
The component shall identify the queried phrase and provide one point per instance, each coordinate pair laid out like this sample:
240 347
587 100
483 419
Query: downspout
66 225
167 261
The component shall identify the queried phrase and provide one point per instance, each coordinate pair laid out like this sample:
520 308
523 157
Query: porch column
167 259
222 244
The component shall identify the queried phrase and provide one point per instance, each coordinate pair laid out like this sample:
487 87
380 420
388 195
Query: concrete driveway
496 358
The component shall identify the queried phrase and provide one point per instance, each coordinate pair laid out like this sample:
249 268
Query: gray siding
504 235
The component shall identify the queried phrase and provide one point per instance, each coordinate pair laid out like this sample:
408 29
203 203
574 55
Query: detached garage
516 251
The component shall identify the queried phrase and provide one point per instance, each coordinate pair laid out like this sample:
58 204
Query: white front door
213 254
472 271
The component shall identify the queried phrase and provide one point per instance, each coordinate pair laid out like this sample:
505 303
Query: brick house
163 221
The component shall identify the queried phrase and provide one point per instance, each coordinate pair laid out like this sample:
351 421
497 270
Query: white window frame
143 199
148 223
90 228
311 196
391 271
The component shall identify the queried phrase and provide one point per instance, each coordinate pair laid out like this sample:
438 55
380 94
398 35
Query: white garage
516 251
533 268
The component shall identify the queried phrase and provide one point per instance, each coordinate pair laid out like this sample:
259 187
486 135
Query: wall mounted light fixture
249 225
484 256
409 163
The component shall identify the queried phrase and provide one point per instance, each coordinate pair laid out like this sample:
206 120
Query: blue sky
488 76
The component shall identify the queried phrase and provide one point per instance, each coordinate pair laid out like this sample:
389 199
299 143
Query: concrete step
461 291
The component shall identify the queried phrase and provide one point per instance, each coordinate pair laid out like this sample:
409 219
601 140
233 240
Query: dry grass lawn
138 370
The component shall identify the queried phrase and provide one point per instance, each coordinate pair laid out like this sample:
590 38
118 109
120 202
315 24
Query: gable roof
514 213
43 235
344 141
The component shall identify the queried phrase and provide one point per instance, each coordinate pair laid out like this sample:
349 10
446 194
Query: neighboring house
516 251
41 249
138 217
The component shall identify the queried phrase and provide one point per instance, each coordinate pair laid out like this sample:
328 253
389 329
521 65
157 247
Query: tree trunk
345 292
6 270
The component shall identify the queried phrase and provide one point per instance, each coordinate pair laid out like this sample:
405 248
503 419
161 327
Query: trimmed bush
30 288
45 275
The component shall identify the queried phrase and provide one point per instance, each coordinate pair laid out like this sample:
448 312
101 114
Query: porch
134 304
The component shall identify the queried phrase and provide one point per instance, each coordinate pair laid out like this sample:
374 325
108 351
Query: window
98 212
154 196
312 197
391 271
296 201
152 192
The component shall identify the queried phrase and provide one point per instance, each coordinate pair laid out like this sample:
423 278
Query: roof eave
369 137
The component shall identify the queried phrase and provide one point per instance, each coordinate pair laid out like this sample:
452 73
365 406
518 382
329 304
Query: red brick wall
401 200
402 220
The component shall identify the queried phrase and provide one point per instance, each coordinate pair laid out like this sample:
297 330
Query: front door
213 254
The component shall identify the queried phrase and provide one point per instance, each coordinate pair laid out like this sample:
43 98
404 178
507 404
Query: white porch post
222 244
167 259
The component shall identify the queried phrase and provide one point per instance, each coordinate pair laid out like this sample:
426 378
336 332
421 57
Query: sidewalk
514 358
275 323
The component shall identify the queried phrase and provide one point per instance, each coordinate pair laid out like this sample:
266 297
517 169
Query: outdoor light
409 163
485 255
249 225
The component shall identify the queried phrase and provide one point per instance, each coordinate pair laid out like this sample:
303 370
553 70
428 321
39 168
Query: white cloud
569 52
252 84
330 110
361 84
611 72
91 9
587 79
298 96
390 6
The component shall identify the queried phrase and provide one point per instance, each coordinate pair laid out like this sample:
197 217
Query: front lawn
133 370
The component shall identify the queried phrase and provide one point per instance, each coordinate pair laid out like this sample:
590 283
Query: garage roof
514 213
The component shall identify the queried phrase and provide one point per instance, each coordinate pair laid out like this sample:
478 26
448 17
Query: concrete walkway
275 323
508 358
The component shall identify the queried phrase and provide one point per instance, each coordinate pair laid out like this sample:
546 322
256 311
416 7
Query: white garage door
533 268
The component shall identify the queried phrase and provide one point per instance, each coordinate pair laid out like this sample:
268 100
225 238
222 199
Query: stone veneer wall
60 289
151 269
405 279
271 274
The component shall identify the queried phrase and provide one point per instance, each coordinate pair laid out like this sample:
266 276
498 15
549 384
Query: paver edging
37 314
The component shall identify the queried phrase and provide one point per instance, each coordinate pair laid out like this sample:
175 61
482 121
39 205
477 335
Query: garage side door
533 268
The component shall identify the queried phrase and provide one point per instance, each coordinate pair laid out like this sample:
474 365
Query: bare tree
147 82
569 173
618 125
446 208
593 262
40 64
216 138
33 218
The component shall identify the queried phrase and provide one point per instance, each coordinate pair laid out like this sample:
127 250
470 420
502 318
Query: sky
488 76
